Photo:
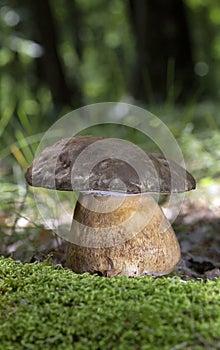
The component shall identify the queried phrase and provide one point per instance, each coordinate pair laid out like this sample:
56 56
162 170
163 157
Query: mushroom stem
127 235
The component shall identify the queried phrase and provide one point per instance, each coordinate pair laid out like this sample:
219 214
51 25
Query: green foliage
27 108
43 307
101 64
204 19
202 152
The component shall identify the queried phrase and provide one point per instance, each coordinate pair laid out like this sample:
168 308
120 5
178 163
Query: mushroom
118 228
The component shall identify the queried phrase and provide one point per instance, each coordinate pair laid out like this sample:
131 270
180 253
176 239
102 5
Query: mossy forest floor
46 307
42 307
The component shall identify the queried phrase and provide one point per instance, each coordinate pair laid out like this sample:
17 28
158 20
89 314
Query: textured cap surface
56 167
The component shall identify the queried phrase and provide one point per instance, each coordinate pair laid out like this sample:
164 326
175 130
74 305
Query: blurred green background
56 56
59 55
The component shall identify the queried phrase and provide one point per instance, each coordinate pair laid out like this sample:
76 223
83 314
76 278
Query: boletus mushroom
118 228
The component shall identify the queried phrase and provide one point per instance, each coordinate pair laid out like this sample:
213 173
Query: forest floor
178 311
197 227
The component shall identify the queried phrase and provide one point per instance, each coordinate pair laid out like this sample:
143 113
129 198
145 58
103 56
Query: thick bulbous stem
127 235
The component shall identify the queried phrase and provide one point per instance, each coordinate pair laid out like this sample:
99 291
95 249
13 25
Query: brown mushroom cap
52 169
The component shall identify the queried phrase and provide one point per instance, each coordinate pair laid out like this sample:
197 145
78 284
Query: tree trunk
50 65
164 59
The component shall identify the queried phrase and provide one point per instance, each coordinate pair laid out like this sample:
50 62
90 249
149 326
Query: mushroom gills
115 235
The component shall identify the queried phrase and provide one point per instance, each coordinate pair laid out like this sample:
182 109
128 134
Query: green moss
46 308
